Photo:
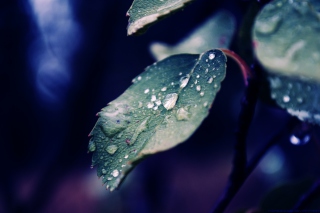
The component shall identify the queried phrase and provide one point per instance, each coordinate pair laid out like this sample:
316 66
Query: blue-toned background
61 61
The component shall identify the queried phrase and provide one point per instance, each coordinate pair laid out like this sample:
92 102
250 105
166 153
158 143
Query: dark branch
307 198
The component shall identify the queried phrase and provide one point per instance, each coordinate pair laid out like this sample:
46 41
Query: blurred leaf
143 13
286 42
300 98
216 32
162 108
286 38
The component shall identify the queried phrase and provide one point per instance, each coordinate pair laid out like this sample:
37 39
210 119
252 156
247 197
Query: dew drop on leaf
111 149
184 81
115 173
91 146
170 100
212 56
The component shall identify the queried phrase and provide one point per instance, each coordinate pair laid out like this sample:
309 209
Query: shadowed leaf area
162 108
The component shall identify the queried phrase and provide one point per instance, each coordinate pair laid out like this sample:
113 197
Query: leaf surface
162 108
286 38
143 13
300 98
216 32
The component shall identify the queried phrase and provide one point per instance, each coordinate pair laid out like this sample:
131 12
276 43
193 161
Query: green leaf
162 108
300 98
143 13
216 32
286 38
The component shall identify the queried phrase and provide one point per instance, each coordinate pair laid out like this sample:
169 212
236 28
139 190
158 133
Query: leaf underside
162 108
143 13
286 38
216 32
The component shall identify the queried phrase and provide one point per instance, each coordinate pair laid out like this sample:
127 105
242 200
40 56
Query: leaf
163 107
300 98
144 13
216 32
286 38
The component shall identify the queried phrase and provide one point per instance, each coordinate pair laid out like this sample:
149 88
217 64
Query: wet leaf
300 98
286 38
216 32
143 13
163 107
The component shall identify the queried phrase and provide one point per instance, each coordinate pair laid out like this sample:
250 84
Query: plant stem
233 187
238 173
308 197
245 69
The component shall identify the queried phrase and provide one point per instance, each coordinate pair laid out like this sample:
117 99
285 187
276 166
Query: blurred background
61 61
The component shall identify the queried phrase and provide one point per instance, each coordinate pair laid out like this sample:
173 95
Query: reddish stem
245 69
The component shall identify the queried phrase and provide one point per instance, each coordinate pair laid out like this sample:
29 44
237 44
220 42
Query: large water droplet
111 149
164 89
146 91
184 81
158 102
202 93
115 173
153 98
91 146
269 25
198 88
170 100
212 56
150 105
210 80
286 98
142 127
182 114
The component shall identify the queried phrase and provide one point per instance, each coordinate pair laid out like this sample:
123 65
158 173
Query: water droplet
198 76
164 89
202 93
269 25
198 88
206 71
91 146
205 104
196 81
286 98
126 156
170 100
111 149
210 80
142 127
299 100
109 178
150 105
182 114
140 104
180 73
184 81
115 173
139 78
120 135
212 56
172 83
214 76
155 108
153 98
158 102
104 171
275 83
206 60
146 91
299 141
215 85
120 160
